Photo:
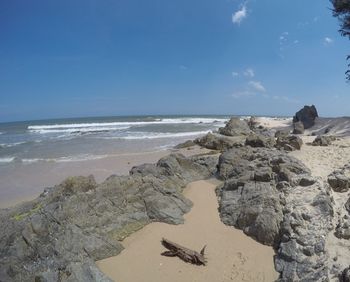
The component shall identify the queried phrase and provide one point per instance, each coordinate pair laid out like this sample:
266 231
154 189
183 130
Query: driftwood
183 253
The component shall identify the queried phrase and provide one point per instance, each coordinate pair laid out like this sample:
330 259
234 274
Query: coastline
30 180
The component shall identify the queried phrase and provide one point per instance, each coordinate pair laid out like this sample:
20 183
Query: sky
133 57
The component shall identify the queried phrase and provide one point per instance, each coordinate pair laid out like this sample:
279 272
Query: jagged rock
255 140
308 214
339 180
249 198
298 128
186 144
235 127
307 116
219 142
58 236
323 140
253 207
289 143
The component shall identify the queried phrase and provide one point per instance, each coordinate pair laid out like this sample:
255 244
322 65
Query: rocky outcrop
308 213
220 142
272 198
307 116
58 236
339 179
289 143
298 127
323 140
250 198
235 127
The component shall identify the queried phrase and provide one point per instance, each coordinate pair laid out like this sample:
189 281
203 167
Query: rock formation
235 127
58 236
307 116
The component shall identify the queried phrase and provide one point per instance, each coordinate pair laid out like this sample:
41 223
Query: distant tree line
341 10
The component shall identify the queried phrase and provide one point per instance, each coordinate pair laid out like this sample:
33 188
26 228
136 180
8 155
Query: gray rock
253 207
235 127
58 236
298 127
220 142
281 133
323 140
289 143
307 116
339 180
345 275
186 144
255 140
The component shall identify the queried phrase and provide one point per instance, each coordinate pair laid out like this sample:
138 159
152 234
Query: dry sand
324 160
232 256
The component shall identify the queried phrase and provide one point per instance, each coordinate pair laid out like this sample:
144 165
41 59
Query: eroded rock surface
58 236
273 198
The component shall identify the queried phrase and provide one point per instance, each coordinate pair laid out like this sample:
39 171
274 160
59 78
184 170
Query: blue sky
126 57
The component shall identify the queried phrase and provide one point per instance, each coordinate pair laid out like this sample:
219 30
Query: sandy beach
232 256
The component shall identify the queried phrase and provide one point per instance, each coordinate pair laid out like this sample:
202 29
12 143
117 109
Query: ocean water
69 140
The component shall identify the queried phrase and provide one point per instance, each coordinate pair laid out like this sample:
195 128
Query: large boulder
254 207
307 116
250 197
235 127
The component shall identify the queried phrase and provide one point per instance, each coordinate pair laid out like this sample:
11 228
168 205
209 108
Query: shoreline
239 257
30 180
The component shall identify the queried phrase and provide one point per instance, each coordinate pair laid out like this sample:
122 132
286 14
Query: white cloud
249 72
183 67
327 41
286 99
240 94
234 74
296 41
257 86
238 16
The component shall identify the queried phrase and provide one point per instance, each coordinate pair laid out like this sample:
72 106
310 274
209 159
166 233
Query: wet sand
231 255
24 182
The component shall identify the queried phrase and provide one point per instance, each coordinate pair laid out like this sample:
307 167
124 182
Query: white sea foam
7 145
78 130
7 160
153 135
121 125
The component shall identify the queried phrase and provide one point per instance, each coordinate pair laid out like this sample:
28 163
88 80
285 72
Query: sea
79 139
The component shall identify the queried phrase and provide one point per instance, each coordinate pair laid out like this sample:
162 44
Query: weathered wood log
187 255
